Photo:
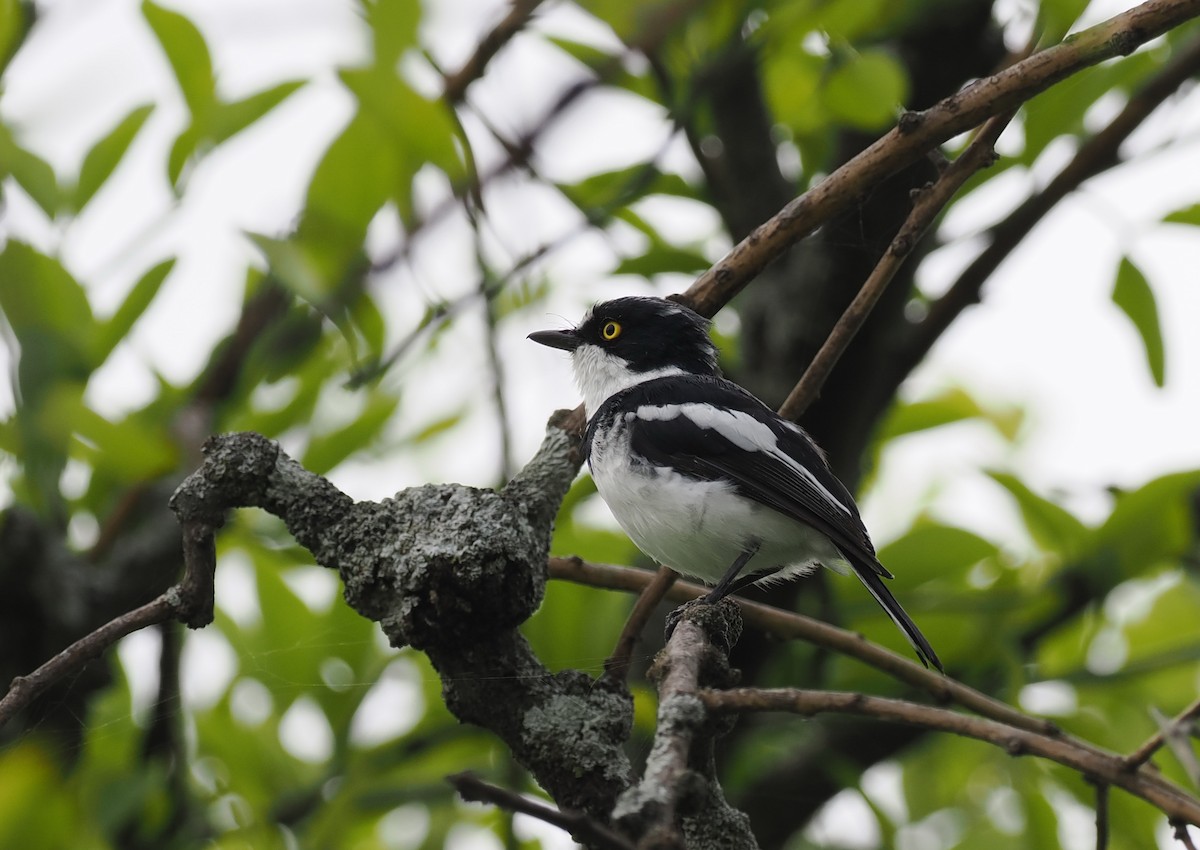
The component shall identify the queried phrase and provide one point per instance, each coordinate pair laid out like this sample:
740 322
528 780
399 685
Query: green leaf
231 118
1060 110
130 450
612 189
188 55
112 331
662 259
14 23
106 154
866 90
791 83
952 405
352 181
393 27
1056 17
1052 527
1187 215
294 266
1150 524
932 551
41 299
181 151
1132 293
328 450
419 131
32 173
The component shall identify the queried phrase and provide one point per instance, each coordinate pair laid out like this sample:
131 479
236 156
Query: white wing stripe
742 430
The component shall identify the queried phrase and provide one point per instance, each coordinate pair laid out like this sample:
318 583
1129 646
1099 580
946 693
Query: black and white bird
703 476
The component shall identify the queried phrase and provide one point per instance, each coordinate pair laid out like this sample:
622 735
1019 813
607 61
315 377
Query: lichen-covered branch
678 802
450 570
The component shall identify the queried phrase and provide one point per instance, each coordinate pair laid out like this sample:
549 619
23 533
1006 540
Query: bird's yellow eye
611 330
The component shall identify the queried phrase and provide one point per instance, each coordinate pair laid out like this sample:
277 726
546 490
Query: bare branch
584 829
789 625
1152 745
1102 766
190 601
516 19
1101 815
617 664
917 133
929 203
1096 154
1182 835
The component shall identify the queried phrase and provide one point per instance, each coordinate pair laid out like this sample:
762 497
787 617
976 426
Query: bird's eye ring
611 330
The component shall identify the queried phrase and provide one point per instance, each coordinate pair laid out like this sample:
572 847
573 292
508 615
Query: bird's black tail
899 616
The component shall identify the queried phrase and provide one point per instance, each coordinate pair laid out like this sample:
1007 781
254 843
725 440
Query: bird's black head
648 334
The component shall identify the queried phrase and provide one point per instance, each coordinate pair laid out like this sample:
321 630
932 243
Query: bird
703 476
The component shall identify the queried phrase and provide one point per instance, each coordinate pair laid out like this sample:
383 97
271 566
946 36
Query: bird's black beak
566 340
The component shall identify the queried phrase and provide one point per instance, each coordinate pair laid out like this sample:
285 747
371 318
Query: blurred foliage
307 730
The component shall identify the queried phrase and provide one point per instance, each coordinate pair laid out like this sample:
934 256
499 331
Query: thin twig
928 204
617 665
1101 814
1104 767
190 601
1152 744
25 689
582 828
918 133
790 625
498 36
1182 835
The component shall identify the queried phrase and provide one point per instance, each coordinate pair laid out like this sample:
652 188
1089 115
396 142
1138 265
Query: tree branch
617 664
1182 835
917 133
190 601
1101 815
789 625
518 16
582 828
1100 765
1095 155
928 204
1152 745
678 803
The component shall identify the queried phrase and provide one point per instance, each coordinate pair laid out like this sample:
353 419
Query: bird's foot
719 619
675 616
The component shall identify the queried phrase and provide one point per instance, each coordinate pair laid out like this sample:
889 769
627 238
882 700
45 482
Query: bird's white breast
697 527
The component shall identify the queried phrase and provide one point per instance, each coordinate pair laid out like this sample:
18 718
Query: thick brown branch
1098 764
929 203
917 133
1096 154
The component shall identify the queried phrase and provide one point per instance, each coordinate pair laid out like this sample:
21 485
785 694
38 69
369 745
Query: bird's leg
729 582
727 585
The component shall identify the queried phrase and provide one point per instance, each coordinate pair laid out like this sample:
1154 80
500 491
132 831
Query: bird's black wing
713 430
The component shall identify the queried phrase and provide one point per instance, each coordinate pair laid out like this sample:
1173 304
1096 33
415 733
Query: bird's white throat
600 374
